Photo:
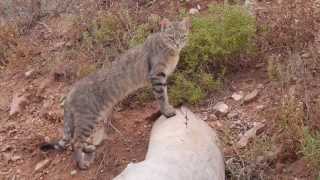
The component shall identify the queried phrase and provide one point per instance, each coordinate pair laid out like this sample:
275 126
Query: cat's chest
171 64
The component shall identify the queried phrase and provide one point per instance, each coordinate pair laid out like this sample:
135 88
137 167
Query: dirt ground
41 117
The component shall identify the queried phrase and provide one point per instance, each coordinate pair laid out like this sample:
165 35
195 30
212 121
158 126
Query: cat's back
129 65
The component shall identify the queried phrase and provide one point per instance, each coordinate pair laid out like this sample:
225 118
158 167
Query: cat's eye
183 36
171 37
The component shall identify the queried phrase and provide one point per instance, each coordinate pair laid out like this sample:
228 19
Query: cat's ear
186 22
164 24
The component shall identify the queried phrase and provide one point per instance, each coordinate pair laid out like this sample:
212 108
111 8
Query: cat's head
175 33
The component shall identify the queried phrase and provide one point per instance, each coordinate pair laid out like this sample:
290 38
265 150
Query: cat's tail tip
47 146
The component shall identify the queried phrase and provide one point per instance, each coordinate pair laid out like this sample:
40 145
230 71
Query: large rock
182 147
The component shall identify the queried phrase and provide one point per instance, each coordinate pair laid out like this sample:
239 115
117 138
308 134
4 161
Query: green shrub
144 95
105 29
273 69
139 35
311 148
184 91
117 31
291 122
216 41
86 70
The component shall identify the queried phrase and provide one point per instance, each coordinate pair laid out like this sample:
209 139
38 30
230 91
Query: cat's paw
84 160
89 149
168 111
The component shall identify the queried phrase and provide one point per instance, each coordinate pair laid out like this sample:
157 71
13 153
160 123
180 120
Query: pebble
15 158
251 96
29 73
73 172
193 11
237 96
41 165
221 108
18 102
260 107
233 114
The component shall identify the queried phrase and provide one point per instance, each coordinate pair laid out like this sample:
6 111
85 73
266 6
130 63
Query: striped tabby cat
93 98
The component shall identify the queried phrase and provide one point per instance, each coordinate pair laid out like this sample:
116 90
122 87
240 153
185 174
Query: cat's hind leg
84 155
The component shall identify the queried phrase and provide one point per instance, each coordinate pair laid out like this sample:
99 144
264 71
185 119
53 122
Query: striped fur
93 98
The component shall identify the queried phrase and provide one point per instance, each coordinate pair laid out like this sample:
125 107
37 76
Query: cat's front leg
159 88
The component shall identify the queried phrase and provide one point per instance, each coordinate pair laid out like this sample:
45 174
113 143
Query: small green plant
259 147
311 148
291 121
145 95
139 35
9 34
86 70
273 69
105 29
215 43
184 90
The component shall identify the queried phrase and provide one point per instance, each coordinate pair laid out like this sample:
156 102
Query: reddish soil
42 117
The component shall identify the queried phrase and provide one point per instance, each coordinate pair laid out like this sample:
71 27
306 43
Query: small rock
193 11
221 108
260 86
98 137
215 124
15 158
251 133
260 65
6 148
251 96
202 116
57 45
233 114
213 117
17 104
260 159
41 165
260 107
73 172
6 157
237 96
29 73
47 139
306 55
62 101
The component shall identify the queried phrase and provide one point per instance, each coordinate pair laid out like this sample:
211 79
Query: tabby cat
93 98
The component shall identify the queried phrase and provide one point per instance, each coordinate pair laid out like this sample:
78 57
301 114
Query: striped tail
58 145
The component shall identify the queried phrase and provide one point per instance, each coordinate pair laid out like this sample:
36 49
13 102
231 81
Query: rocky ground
32 90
